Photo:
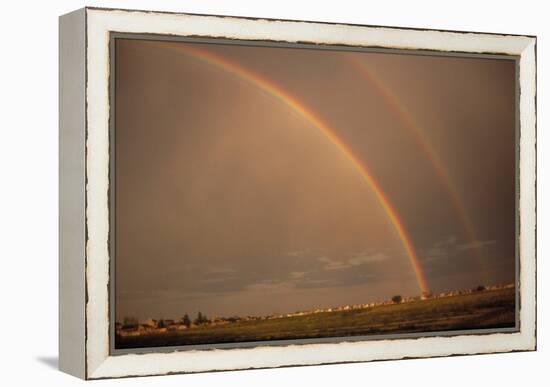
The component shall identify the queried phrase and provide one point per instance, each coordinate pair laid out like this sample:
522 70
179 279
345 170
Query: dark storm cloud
311 271
446 259
230 202
316 273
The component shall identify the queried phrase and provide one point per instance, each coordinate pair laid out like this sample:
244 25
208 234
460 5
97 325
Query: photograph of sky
253 180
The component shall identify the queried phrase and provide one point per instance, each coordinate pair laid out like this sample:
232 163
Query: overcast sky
231 203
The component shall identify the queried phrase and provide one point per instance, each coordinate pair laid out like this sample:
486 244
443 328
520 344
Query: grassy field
486 309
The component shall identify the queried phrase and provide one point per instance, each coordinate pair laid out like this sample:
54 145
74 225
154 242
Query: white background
29 178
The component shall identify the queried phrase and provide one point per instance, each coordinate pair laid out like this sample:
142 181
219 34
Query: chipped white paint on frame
99 362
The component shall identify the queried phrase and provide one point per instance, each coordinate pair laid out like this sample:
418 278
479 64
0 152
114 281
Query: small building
150 323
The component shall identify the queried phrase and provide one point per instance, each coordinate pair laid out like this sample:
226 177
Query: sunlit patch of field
479 310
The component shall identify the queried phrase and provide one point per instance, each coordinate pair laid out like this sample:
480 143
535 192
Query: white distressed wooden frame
84 183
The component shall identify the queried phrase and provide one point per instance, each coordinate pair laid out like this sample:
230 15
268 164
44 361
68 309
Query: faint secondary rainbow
423 142
290 101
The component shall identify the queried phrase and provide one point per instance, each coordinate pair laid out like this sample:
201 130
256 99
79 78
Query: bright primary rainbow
299 107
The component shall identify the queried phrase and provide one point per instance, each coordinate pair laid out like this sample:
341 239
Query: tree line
201 319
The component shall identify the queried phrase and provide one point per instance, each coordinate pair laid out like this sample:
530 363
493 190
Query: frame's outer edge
101 364
72 182
527 195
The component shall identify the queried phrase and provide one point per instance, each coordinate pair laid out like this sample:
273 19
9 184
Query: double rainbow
284 97
422 141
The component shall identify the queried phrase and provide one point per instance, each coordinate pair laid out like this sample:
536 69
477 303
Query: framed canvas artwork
246 193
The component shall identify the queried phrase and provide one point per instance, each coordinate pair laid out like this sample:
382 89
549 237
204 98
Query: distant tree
397 299
201 319
198 320
480 288
161 324
130 322
186 320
